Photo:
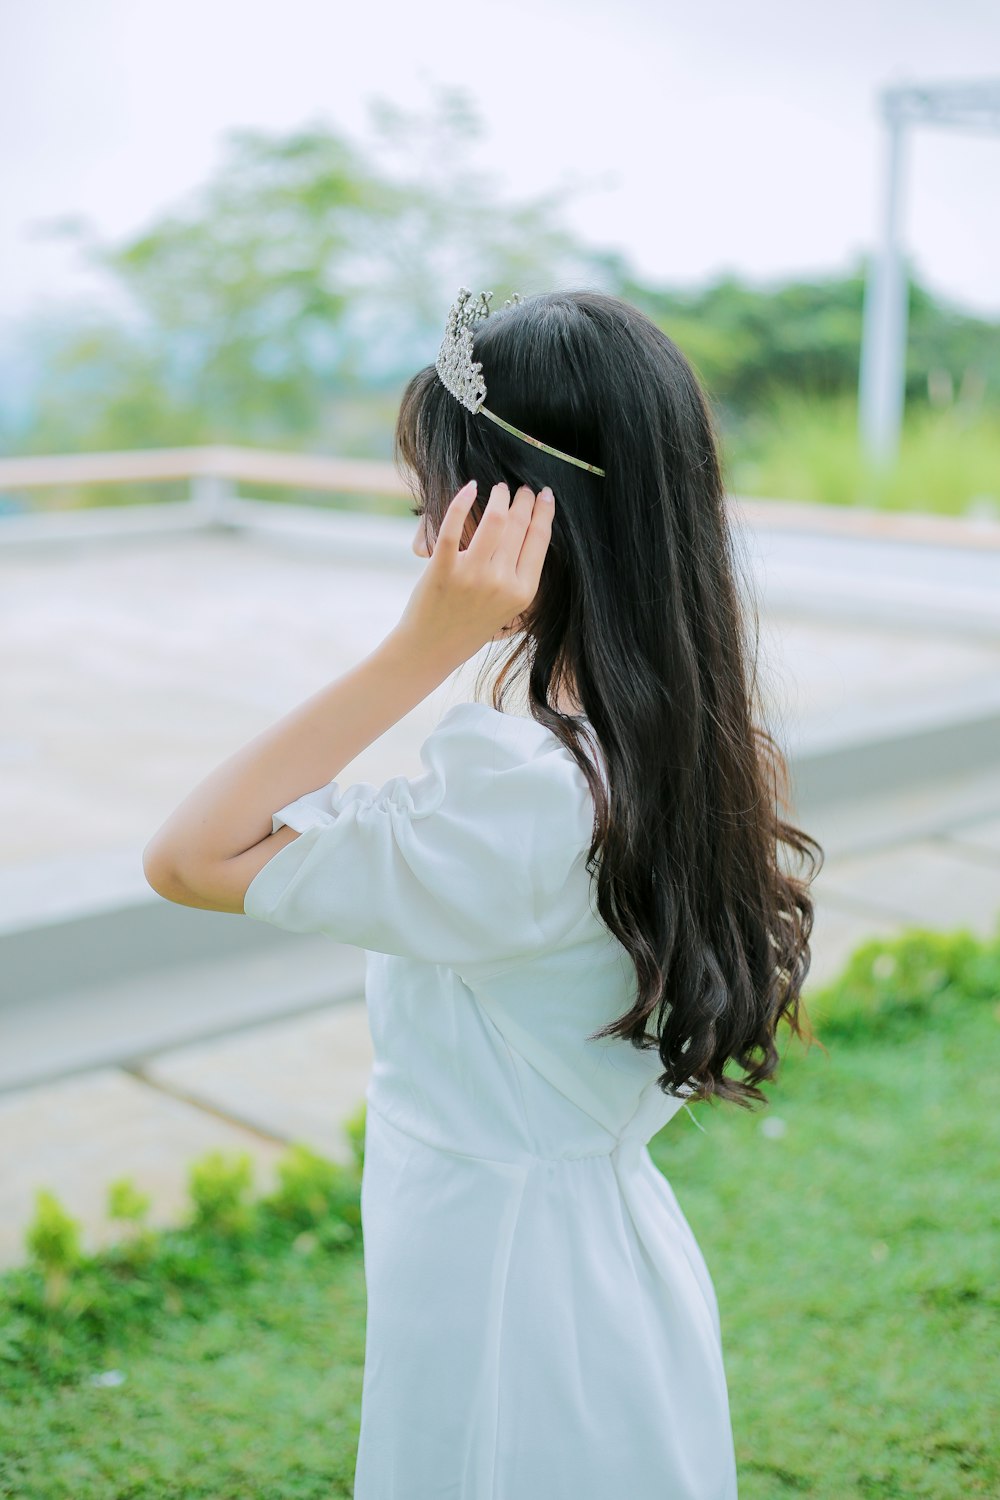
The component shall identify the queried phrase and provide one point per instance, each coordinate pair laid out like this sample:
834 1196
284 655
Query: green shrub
53 1241
894 986
125 1201
219 1186
354 1126
127 1206
316 1196
65 1310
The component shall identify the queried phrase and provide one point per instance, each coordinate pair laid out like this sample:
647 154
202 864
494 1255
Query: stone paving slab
75 1137
123 1020
952 807
930 882
837 931
881 578
298 1078
302 1076
139 667
981 837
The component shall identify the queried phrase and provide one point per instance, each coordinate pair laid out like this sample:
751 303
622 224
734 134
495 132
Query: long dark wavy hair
639 615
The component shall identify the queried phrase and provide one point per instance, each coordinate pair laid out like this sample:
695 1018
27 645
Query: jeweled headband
463 376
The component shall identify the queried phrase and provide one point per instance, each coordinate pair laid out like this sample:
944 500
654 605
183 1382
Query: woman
575 921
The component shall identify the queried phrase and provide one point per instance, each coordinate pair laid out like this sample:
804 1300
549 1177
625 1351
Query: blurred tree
106 386
752 345
301 271
288 299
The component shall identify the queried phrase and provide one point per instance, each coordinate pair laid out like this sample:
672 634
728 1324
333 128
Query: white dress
541 1322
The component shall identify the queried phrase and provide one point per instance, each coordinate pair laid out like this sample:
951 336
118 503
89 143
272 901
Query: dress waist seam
505 1161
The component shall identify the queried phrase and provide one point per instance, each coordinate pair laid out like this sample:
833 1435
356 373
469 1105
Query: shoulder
482 858
518 767
477 734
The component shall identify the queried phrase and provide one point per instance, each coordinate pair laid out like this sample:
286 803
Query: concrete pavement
136 1035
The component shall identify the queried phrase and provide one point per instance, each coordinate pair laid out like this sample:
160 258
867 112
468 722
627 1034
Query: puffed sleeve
479 860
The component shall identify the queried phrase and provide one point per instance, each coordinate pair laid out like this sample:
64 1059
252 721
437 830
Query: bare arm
210 848
215 842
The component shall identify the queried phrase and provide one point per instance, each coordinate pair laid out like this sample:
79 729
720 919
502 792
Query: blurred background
217 228
230 233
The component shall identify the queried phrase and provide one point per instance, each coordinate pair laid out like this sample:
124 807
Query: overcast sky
716 136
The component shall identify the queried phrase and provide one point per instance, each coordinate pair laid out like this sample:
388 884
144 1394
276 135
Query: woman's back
531 1278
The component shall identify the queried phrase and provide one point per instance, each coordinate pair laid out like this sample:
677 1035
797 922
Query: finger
508 546
490 527
453 524
536 542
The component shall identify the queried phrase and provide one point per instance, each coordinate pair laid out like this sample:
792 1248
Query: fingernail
546 495
468 486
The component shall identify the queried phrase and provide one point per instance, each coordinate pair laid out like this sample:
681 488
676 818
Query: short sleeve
479 860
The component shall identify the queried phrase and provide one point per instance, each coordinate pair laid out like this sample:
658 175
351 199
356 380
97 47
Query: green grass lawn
797 448
857 1263
259 1398
855 1255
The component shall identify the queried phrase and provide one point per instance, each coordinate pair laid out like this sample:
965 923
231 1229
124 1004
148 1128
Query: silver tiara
462 376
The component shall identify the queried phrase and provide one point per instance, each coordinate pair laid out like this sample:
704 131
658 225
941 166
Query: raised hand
465 598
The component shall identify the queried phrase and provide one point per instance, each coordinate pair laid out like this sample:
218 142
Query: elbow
160 874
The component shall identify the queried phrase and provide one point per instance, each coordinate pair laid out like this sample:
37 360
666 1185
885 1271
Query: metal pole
882 375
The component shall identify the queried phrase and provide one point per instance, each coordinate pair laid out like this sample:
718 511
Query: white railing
213 473
300 470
